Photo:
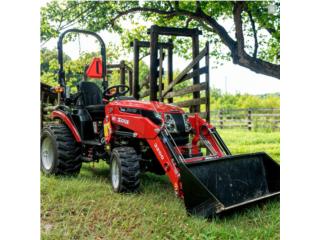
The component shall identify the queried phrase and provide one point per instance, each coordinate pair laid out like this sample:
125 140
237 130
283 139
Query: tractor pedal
92 142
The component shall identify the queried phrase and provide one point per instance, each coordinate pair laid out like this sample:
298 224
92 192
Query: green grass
85 207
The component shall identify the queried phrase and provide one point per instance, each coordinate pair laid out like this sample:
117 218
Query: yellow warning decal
106 128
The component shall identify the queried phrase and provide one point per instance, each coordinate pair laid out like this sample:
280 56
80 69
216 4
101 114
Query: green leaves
74 69
238 101
104 15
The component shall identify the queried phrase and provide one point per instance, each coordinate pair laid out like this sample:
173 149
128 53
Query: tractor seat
96 111
91 98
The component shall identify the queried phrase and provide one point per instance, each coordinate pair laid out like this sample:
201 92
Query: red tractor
136 136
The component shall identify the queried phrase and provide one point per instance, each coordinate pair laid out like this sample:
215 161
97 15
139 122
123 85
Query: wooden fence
250 118
153 86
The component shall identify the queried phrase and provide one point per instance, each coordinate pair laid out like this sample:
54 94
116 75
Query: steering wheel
115 91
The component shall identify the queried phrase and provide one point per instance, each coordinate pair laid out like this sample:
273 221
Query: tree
74 68
253 40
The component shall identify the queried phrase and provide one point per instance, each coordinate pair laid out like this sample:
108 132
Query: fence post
154 34
135 84
207 83
196 79
160 73
249 119
275 119
221 118
122 73
130 81
170 68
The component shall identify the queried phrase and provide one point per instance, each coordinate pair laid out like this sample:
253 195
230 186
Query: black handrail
61 73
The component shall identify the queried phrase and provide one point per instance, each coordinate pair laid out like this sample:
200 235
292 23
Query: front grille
178 118
180 138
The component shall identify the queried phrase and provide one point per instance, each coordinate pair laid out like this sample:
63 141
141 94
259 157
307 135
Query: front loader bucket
212 187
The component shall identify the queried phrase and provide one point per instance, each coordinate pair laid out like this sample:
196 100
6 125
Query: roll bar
61 73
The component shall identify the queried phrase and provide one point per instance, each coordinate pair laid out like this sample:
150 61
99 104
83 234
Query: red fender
67 121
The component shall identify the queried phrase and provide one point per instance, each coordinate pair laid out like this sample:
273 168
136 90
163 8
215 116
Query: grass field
85 207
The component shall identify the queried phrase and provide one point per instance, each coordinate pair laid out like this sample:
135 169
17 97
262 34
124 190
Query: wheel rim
47 155
115 174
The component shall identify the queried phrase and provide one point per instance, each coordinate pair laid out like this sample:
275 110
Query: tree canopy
248 33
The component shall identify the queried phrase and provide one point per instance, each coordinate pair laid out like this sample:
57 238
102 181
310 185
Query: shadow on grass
242 212
96 172
154 187
152 183
248 210
103 173
87 172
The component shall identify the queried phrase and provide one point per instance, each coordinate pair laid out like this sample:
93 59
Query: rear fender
57 114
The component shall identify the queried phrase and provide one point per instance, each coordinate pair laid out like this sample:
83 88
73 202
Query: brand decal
124 121
159 151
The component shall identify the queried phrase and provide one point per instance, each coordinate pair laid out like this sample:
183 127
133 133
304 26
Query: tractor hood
147 105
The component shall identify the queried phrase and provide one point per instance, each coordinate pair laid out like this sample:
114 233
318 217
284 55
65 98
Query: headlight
186 122
170 123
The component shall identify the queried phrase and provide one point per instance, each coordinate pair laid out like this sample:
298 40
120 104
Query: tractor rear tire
124 169
60 153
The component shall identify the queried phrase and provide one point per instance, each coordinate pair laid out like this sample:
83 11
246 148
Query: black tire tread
130 168
68 150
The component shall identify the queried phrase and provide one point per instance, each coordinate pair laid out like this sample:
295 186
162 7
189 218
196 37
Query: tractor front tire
60 153
124 169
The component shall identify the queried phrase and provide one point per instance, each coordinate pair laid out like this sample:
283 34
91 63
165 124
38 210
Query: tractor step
92 142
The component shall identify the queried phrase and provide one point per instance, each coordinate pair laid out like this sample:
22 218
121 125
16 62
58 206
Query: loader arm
209 137
208 184
219 182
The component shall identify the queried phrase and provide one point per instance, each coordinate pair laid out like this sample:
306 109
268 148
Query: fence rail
248 118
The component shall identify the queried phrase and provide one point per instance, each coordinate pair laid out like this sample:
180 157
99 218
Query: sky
229 78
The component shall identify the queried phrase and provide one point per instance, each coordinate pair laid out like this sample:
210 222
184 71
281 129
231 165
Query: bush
227 101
